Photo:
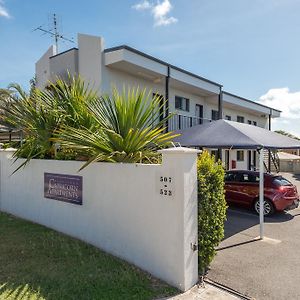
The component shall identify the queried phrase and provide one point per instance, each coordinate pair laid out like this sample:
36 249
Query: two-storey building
193 98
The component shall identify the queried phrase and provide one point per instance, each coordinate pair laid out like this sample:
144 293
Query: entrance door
199 114
161 105
249 160
254 160
227 160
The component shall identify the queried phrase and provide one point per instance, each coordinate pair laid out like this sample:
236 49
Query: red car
242 187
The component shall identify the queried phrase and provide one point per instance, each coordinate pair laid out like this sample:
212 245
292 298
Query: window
182 103
240 119
161 109
228 118
215 153
214 115
254 123
229 177
240 155
280 181
245 177
198 114
249 122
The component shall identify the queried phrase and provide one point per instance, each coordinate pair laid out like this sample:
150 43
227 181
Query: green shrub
211 208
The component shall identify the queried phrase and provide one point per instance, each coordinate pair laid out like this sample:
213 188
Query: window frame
238 157
182 101
241 118
214 115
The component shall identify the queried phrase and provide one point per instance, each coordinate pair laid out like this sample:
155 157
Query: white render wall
42 68
123 212
91 65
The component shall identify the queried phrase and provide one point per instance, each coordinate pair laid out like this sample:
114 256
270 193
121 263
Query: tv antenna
54 33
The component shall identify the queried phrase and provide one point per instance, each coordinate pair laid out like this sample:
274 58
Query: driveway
268 269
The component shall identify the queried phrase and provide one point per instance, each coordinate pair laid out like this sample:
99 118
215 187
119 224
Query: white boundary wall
123 212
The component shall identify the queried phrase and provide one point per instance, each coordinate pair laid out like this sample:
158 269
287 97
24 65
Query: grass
39 263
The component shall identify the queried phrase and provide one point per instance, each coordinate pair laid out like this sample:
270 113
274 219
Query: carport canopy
224 134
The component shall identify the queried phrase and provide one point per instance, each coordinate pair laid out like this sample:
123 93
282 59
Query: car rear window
280 181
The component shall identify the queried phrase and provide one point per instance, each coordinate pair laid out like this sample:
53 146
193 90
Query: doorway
199 114
250 160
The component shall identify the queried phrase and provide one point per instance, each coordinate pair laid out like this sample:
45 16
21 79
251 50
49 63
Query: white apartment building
193 98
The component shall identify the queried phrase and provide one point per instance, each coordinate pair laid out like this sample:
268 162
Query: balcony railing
179 122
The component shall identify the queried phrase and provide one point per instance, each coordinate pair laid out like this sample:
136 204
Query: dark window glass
251 178
161 102
182 103
240 155
229 177
240 119
178 102
280 181
215 153
214 115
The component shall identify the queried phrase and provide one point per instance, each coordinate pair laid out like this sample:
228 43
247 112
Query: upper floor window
214 115
240 119
228 118
182 103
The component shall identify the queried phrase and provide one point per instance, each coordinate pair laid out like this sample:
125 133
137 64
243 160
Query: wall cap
8 150
177 150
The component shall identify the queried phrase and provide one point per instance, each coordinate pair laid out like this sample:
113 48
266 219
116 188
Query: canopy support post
261 193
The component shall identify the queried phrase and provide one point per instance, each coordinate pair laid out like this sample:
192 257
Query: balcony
179 122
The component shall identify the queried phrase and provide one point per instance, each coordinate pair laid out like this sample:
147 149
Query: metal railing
179 122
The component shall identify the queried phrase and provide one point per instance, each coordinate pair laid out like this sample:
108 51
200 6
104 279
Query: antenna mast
54 33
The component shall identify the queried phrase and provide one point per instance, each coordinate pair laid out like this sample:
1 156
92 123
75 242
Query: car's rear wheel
268 207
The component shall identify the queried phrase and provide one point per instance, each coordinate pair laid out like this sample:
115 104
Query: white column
261 193
181 164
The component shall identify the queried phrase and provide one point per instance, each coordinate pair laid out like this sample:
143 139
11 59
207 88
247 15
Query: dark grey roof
229 134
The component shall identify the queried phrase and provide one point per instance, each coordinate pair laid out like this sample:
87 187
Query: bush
211 208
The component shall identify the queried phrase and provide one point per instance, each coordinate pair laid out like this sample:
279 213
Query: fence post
182 164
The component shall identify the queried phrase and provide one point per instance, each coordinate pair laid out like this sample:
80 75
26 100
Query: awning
228 134
233 135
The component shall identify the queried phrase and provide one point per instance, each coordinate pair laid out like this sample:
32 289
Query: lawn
39 263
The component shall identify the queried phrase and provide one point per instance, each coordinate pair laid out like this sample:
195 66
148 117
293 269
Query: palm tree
40 114
127 128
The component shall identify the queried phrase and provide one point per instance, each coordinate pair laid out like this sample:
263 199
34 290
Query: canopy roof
228 134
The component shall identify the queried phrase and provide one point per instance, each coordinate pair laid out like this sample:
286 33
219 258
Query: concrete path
268 269
207 292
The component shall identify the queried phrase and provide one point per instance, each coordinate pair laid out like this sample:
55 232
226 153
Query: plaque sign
67 188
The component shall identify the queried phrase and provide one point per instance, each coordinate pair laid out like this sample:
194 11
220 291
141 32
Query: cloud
3 11
160 11
284 100
289 103
142 5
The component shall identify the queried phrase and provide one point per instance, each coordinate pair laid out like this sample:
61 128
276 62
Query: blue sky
249 46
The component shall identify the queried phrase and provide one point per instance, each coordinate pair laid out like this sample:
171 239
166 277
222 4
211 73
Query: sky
251 47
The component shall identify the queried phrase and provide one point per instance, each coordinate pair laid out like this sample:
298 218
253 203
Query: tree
68 116
127 128
287 134
40 114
